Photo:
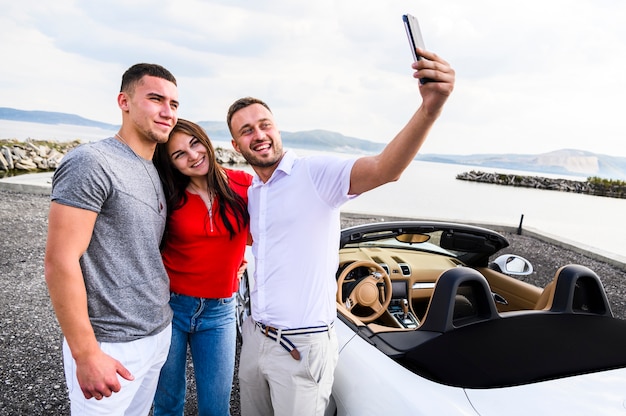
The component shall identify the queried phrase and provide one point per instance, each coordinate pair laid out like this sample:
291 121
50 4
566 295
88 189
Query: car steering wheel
367 290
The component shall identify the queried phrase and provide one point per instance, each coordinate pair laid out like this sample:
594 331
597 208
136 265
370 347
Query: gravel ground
31 373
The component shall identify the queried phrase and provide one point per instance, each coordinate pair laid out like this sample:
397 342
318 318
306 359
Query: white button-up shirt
295 226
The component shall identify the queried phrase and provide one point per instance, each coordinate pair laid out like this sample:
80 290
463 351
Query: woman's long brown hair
175 183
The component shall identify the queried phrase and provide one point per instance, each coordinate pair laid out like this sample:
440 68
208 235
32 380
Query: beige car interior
392 289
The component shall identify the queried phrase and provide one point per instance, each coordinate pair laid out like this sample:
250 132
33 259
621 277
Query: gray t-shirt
127 285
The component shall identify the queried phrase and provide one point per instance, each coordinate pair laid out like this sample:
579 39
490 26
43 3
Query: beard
263 162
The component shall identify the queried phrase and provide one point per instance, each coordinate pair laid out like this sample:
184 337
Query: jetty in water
592 186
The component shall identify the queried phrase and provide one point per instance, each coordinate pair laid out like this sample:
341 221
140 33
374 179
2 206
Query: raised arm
69 234
372 171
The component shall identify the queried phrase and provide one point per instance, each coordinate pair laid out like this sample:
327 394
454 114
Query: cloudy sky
532 76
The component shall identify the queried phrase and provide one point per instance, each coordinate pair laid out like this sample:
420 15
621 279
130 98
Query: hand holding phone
415 39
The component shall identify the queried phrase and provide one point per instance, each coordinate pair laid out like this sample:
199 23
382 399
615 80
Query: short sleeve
82 180
331 176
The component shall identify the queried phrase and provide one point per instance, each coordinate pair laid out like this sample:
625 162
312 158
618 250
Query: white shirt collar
285 166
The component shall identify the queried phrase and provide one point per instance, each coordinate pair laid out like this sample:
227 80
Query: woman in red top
203 250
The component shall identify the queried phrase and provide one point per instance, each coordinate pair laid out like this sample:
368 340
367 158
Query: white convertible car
428 325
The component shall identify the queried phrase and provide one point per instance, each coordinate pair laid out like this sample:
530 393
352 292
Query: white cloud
532 76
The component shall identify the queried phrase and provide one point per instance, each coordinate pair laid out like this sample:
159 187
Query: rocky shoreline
32 155
36 155
31 373
593 186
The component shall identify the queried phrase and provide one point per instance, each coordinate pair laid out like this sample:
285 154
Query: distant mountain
315 139
330 141
217 130
569 162
49 117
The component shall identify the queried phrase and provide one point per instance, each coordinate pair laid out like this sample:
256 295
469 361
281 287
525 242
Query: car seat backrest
461 296
575 289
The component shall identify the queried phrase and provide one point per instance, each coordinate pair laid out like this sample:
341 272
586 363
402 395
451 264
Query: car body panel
369 383
602 393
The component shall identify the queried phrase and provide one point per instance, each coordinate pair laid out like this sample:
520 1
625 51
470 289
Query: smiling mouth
164 124
261 147
198 163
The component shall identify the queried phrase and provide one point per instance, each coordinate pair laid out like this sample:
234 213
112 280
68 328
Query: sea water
431 191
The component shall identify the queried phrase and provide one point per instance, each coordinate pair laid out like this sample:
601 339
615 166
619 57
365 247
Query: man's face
256 137
152 107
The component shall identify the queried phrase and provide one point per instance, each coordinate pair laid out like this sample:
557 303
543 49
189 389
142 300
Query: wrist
83 350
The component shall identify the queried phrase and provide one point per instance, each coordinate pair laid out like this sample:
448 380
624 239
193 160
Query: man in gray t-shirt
103 267
126 301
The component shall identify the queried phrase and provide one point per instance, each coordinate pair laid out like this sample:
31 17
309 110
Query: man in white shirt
289 349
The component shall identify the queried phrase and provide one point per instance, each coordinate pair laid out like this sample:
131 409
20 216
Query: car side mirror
513 264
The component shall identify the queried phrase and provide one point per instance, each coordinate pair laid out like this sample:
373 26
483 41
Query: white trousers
143 358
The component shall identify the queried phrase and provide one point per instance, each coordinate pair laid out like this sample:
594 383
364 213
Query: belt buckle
293 351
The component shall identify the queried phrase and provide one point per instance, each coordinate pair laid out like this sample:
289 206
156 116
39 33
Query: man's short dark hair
138 71
242 103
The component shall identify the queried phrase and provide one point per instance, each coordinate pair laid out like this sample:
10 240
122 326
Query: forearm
373 171
69 234
69 300
401 151
97 373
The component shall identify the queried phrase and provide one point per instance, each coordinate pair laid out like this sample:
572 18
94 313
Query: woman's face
188 154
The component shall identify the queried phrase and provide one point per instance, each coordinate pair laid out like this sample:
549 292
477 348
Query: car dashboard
413 275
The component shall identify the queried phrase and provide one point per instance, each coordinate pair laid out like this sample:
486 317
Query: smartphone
415 38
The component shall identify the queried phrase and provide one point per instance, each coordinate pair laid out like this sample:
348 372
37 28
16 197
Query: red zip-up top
200 257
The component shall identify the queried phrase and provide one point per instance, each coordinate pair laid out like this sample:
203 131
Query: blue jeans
208 327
